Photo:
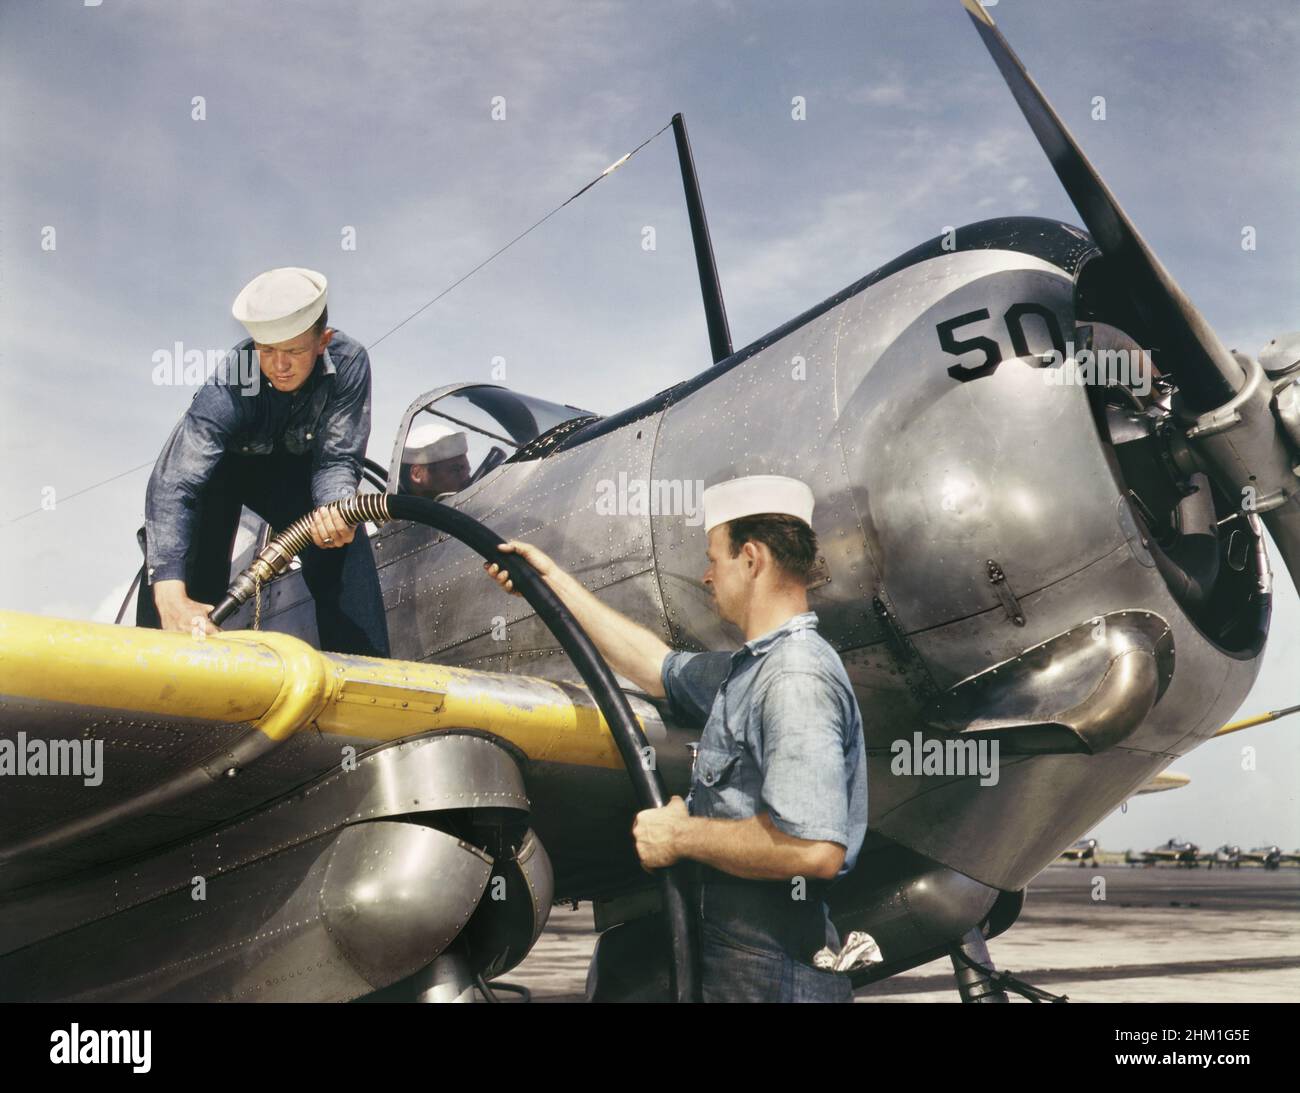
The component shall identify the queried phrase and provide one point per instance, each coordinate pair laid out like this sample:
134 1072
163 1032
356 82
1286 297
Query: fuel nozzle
274 558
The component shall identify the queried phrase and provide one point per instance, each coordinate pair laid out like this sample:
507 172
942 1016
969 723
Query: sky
155 156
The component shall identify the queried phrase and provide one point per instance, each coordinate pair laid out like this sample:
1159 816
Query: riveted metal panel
416 779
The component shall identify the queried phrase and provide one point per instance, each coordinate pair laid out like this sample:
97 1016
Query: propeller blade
1186 346
1258 719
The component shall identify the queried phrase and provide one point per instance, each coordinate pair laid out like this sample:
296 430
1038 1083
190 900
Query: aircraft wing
1166 779
192 731
134 763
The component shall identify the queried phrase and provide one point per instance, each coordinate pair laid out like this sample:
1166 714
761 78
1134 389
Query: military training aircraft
1081 851
1227 854
1270 857
1015 549
1175 850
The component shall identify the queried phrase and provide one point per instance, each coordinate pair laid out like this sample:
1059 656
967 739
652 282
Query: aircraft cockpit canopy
459 435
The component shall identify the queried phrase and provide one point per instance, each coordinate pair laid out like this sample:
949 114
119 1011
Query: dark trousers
343 581
757 943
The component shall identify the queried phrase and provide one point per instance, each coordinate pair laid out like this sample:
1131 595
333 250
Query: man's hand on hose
330 530
630 648
658 832
537 558
176 611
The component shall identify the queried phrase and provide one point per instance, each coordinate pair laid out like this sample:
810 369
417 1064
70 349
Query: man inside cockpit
435 461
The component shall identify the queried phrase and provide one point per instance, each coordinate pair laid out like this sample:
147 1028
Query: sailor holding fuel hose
778 804
283 439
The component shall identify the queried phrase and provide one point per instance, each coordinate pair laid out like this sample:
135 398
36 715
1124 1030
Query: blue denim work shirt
782 734
328 416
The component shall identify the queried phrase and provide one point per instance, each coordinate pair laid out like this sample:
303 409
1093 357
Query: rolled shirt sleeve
344 431
805 788
691 682
187 461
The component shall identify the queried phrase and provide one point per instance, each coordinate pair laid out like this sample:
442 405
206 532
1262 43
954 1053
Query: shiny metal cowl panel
1042 802
1082 691
329 894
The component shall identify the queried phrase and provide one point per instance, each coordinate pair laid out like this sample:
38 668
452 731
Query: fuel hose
379 508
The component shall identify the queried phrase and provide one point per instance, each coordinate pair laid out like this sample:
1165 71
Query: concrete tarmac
1157 934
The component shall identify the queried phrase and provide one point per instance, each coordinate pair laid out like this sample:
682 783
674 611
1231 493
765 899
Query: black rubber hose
609 697
373 473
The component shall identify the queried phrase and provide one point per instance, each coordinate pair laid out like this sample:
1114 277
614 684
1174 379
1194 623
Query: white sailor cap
432 443
756 494
281 303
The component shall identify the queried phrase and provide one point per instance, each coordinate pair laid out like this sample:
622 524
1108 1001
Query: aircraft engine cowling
350 888
986 513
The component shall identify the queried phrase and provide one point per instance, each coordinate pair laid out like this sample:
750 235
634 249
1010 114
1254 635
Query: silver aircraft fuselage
984 576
